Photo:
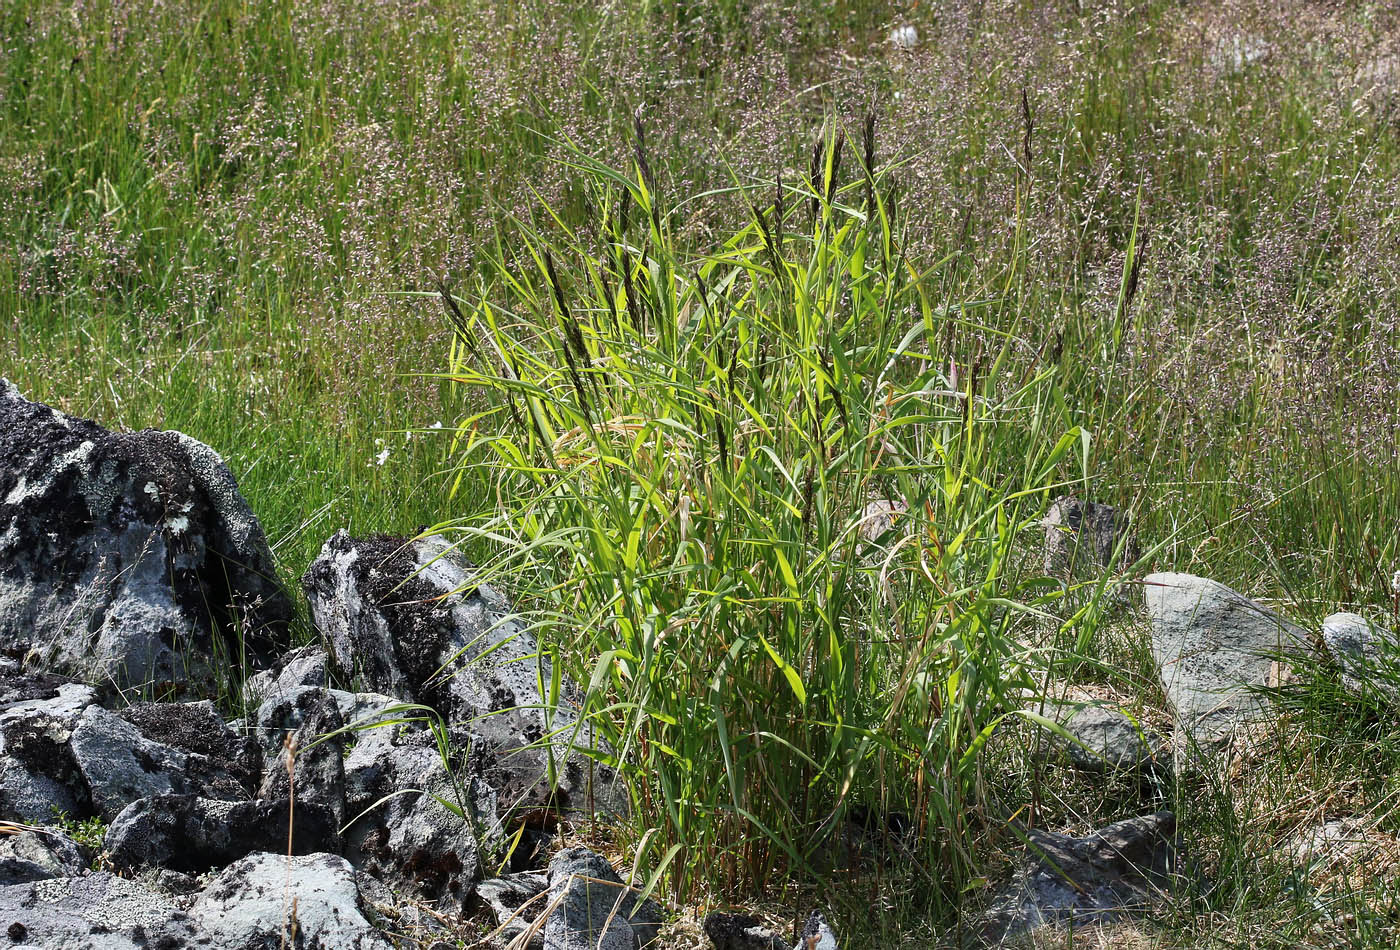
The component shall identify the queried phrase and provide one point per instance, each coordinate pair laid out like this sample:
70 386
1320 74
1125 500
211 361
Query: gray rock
741 932
189 834
127 557
304 666
38 774
595 910
215 752
407 618
39 855
305 724
268 902
120 765
96 912
1082 538
880 516
817 934
1104 739
516 901
1367 653
417 823
1119 870
1213 648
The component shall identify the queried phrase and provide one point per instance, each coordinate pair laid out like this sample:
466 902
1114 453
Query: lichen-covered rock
126 557
817 934
215 752
741 932
303 728
593 909
96 912
268 901
190 835
1214 648
305 666
405 617
120 765
516 901
39 778
1122 869
39 855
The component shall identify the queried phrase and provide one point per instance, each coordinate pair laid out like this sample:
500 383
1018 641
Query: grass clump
779 531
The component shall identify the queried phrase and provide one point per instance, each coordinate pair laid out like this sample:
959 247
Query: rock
189 834
817 934
299 723
96 912
595 910
214 750
880 516
267 902
120 765
516 901
407 619
1082 539
1105 739
1368 654
38 774
127 558
39 855
1119 870
402 829
19 685
904 37
1213 649
304 666
741 932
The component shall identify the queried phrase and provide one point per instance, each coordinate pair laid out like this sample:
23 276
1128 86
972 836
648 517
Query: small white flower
1395 582
382 457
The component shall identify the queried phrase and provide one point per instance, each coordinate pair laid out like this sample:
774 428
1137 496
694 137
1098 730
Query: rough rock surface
304 666
406 618
121 552
215 751
119 765
39 855
189 834
38 774
516 901
817 934
1121 869
303 724
250 906
741 932
879 516
595 910
1212 645
95 912
1082 537
1105 739
1368 654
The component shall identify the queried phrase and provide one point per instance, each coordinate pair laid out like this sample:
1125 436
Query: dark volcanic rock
246 907
196 729
1121 869
39 855
304 724
191 835
304 666
516 901
595 910
406 618
1081 538
126 557
741 932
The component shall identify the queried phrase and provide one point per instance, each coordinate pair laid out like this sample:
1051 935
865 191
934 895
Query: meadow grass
1141 252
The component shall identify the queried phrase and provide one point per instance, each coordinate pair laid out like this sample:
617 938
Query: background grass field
1164 231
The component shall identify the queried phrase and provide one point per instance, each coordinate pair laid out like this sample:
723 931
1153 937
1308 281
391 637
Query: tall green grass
678 453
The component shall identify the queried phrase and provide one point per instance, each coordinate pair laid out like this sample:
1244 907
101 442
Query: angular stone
594 909
190 835
1122 869
516 901
214 750
1367 653
304 666
1104 739
817 934
407 618
741 932
38 856
98 911
120 765
127 558
268 901
1213 648
38 775
306 724
1082 538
